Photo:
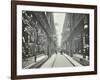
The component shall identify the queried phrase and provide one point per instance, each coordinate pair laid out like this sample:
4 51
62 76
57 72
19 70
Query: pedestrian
56 51
35 58
61 52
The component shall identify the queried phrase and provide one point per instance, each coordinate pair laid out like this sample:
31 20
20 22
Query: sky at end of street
59 21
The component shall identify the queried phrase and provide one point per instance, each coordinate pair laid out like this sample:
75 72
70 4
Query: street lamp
84 40
85 26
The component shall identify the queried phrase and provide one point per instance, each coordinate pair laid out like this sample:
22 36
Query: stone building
37 34
75 34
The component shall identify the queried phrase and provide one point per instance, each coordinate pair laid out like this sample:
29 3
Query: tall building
37 34
75 34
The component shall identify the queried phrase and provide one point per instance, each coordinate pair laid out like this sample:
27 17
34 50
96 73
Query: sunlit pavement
60 60
31 62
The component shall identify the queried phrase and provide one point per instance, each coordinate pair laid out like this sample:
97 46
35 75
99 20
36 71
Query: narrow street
53 39
61 61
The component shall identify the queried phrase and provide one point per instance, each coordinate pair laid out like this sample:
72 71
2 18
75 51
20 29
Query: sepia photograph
53 39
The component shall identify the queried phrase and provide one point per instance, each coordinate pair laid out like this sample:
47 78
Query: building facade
37 34
75 36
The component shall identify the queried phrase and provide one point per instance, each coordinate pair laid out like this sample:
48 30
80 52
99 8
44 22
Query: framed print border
14 39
